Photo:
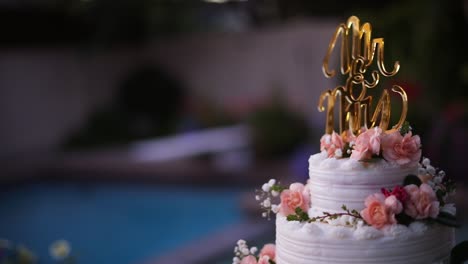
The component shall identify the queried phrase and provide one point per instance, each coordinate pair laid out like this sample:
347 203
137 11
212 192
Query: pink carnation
401 149
422 202
380 211
331 143
268 250
249 260
367 144
296 196
398 191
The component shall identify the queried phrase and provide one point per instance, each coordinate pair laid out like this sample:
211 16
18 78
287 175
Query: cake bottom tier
312 243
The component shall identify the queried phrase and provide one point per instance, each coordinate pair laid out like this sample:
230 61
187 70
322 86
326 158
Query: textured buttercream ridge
364 232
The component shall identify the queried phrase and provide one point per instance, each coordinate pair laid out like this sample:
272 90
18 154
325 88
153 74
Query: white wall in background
47 93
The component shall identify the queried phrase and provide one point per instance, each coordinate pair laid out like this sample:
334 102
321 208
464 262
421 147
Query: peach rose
380 211
296 196
422 202
268 250
331 143
401 149
367 144
249 260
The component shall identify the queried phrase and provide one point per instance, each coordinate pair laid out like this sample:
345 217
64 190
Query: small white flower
348 151
430 170
426 162
272 182
245 251
422 171
441 174
253 250
236 249
257 197
267 203
327 139
241 242
338 153
275 193
266 187
236 260
352 143
264 214
275 208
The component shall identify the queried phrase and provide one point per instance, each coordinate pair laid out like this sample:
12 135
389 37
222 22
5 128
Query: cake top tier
358 51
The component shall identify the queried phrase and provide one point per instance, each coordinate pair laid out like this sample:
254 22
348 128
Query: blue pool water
118 224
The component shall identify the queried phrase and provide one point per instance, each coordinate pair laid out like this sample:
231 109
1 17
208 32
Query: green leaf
404 219
412 179
447 219
405 128
459 253
298 210
292 218
344 207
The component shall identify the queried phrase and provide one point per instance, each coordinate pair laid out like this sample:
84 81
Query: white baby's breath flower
422 171
236 260
241 242
245 251
253 250
274 193
264 214
275 208
257 197
426 162
267 203
338 153
271 182
60 249
430 170
266 187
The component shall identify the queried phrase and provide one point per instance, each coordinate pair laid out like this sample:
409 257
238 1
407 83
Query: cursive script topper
358 51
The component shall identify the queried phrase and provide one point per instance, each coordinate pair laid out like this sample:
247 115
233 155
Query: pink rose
380 211
249 260
296 196
367 144
398 191
331 143
401 149
422 202
268 250
264 260
393 204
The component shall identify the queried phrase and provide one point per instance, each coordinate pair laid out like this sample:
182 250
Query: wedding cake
371 197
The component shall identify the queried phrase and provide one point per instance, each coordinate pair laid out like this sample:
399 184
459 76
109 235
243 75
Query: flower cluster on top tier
246 255
399 147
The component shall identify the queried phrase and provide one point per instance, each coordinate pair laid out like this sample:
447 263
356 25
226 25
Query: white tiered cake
334 182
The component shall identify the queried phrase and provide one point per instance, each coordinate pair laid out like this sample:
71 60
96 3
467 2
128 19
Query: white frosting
311 243
336 182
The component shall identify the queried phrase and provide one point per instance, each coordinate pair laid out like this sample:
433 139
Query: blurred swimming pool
114 223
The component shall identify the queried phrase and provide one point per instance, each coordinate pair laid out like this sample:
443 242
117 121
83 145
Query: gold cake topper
354 103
